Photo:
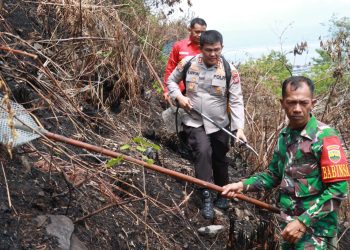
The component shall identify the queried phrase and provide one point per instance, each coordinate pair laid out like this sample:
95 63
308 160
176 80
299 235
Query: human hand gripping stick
231 190
184 102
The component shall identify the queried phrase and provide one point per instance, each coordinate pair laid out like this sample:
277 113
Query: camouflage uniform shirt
295 167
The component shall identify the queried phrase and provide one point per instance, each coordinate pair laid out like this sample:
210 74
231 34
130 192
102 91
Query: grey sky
253 27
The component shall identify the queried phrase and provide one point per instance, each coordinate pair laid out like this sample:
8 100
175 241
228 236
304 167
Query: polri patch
334 165
235 77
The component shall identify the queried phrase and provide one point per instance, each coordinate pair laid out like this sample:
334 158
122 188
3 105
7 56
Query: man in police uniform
206 91
311 169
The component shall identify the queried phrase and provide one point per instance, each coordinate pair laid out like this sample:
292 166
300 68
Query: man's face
211 53
195 32
298 104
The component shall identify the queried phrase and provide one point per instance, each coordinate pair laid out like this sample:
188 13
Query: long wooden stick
107 152
157 168
152 70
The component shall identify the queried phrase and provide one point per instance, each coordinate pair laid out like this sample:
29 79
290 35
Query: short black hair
295 83
197 20
210 37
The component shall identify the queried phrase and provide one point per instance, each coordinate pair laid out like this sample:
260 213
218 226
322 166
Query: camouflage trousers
311 242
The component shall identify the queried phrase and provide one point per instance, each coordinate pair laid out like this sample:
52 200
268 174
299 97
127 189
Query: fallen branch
7 186
20 52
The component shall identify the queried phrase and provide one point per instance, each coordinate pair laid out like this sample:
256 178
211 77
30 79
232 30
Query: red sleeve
171 65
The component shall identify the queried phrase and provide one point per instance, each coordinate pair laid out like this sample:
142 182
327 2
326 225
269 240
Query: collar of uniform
310 129
200 61
220 63
308 132
189 42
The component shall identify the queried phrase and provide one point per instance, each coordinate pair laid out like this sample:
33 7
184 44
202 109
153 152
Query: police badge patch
235 77
217 90
334 153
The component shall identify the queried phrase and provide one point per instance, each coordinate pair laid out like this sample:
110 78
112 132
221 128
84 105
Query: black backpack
226 67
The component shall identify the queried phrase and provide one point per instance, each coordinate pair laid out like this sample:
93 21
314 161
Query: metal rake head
13 117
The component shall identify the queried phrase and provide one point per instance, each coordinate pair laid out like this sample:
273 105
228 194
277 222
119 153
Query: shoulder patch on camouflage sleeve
334 166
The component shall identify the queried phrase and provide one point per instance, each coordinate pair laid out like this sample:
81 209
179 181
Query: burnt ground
36 190
159 212
41 179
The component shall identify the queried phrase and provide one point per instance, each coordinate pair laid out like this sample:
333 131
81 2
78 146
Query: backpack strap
227 69
228 75
184 74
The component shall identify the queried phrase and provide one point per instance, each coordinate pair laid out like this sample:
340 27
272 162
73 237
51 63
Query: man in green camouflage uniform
311 169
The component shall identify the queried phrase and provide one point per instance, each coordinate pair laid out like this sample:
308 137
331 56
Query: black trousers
209 152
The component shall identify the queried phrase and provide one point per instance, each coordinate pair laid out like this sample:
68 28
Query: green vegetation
333 62
271 70
140 145
321 72
114 162
331 66
156 87
144 143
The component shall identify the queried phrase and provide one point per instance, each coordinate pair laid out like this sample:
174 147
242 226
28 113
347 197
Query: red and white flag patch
334 165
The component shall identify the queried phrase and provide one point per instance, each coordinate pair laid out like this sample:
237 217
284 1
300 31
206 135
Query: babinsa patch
334 165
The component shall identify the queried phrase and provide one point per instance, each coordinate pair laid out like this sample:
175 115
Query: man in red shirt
183 48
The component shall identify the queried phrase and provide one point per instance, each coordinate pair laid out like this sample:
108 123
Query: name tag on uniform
334 166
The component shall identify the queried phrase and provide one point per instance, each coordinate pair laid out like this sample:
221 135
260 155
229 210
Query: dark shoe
221 203
208 209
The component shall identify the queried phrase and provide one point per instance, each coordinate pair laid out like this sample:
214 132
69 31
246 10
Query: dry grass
78 61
